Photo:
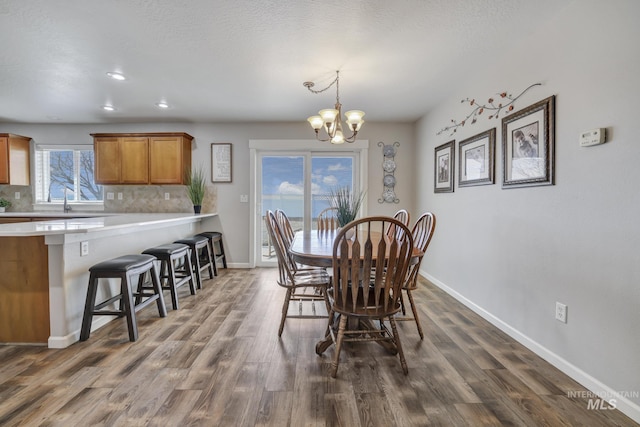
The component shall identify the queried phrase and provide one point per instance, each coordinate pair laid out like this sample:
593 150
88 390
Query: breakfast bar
44 267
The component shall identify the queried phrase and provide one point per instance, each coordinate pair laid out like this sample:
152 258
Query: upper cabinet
141 158
14 159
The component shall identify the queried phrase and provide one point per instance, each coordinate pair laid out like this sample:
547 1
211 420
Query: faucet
67 208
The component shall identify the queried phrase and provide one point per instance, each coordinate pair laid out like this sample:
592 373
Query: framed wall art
444 168
221 158
528 145
476 159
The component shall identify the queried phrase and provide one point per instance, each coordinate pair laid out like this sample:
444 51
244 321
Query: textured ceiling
246 60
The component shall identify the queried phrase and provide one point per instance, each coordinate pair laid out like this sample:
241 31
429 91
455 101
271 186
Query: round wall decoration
389 167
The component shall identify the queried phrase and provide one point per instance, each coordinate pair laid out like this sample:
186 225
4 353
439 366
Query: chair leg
195 263
396 339
207 256
129 308
404 311
336 357
157 288
415 313
167 264
212 251
189 270
88 308
224 258
285 309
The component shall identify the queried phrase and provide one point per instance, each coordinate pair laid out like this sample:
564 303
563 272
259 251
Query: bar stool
215 236
170 278
124 268
200 256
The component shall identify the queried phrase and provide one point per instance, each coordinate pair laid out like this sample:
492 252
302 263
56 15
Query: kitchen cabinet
142 158
14 159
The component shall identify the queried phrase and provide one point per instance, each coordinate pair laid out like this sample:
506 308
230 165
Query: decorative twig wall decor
489 106
389 167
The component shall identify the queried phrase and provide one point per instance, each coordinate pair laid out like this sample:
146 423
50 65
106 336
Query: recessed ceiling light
162 105
109 108
116 76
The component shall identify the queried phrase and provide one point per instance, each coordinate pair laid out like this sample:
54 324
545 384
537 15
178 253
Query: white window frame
41 180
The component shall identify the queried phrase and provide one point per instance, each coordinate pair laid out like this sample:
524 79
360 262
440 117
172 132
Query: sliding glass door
300 184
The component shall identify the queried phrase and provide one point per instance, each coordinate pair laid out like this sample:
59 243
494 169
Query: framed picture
476 159
528 145
444 168
221 162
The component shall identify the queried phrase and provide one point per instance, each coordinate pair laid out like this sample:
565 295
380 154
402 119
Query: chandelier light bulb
316 122
328 115
354 116
338 138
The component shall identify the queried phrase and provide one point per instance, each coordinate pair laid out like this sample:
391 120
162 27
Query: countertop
53 214
104 222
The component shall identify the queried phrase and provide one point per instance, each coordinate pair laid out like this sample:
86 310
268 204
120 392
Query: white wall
234 216
512 253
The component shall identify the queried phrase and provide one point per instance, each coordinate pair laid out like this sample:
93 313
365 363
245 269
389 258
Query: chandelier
330 120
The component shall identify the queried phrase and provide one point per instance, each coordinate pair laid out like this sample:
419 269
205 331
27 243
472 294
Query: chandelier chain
335 81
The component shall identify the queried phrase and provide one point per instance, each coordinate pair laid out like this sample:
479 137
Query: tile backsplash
135 198
24 203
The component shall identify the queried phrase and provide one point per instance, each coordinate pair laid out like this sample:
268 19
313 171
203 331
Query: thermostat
592 137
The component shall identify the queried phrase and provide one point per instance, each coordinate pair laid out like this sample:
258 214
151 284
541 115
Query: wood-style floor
218 361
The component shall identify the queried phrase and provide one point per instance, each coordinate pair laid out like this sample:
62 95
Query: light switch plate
84 248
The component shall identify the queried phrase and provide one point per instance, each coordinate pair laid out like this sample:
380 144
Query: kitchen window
66 170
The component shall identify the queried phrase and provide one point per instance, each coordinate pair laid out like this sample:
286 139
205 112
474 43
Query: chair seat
193 240
123 263
167 249
309 277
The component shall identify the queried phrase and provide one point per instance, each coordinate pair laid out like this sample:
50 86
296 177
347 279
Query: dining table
315 248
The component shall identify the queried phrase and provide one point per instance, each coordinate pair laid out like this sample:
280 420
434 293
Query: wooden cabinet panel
142 158
24 290
134 160
166 160
14 159
107 160
4 160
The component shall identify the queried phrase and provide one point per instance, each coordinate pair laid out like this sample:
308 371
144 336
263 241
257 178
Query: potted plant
347 204
195 183
4 203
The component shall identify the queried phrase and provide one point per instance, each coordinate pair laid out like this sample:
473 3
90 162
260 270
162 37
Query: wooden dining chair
285 225
403 216
422 233
302 284
369 269
328 220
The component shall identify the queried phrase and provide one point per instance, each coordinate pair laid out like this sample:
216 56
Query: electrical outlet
109 195
17 195
84 248
561 312
244 198
167 196
119 196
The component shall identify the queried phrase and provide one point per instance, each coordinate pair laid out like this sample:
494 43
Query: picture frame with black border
444 168
528 146
476 157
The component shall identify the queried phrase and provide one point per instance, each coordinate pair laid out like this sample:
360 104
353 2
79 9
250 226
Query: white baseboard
238 265
623 404
65 341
